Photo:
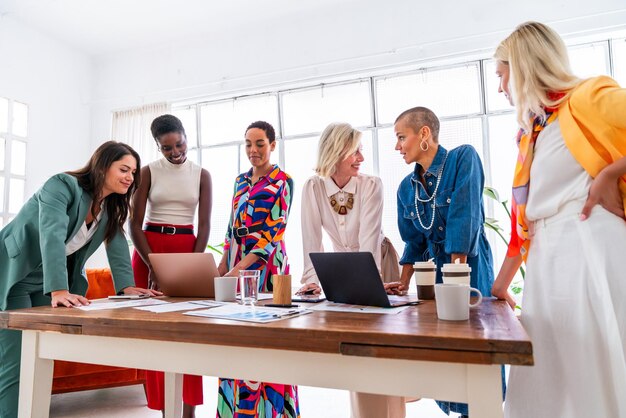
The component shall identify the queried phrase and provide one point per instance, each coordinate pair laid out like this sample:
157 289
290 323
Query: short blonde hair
337 142
539 65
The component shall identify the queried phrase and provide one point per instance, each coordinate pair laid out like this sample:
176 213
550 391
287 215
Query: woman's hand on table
67 299
141 291
309 289
395 288
504 294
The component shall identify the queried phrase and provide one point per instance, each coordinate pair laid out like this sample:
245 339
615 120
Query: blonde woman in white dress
569 192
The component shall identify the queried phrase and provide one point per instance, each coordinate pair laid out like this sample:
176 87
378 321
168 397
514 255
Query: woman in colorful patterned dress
254 241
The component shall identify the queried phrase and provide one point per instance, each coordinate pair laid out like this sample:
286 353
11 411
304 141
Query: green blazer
32 246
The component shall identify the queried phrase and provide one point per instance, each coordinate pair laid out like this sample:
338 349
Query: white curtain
133 127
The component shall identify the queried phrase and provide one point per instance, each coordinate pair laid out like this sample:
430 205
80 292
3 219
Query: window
448 92
310 110
619 60
589 60
464 96
226 121
13 141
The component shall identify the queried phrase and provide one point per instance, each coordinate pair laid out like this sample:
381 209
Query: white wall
55 82
351 37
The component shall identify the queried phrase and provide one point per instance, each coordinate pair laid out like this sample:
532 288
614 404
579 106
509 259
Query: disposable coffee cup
225 288
425 273
456 273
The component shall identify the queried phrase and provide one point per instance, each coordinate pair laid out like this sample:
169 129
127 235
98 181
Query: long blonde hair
539 65
337 142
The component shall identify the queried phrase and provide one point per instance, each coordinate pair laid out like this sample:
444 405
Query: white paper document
258 314
344 307
178 306
102 304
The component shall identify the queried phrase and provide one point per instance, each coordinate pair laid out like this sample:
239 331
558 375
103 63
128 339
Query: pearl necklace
431 197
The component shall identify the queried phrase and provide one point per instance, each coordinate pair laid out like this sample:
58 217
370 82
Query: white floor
130 401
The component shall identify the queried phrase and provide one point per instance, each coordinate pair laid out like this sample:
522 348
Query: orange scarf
594 130
520 243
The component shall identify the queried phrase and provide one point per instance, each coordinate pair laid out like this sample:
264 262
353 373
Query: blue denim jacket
459 215
458 224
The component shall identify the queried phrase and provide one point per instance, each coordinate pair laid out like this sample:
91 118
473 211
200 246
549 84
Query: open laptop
185 274
354 278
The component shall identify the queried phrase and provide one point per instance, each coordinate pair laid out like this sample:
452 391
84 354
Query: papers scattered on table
102 304
258 314
178 306
344 307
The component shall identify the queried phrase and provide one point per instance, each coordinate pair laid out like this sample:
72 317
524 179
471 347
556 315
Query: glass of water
249 286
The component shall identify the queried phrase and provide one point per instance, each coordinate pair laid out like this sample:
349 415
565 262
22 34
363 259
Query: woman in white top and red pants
347 205
171 189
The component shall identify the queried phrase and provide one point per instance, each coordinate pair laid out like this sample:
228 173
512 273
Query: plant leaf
491 193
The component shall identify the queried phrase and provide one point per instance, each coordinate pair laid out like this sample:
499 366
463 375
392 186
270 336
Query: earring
424 145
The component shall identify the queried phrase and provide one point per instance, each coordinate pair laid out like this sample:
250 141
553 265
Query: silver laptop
185 274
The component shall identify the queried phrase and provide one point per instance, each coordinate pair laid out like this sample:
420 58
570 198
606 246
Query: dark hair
91 179
417 117
166 124
264 126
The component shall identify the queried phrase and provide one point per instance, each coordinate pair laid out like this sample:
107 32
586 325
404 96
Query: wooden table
408 354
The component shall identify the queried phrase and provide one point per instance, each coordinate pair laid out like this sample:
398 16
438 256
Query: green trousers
22 295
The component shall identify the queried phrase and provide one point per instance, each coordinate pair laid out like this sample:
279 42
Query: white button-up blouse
359 230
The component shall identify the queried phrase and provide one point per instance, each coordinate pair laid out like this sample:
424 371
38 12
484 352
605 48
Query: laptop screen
350 277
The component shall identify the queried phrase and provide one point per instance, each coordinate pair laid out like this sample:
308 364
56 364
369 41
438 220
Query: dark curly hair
264 126
166 124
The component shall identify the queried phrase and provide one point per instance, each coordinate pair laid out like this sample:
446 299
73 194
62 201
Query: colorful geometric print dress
263 209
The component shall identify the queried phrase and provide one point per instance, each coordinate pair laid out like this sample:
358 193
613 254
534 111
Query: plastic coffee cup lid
425 265
456 268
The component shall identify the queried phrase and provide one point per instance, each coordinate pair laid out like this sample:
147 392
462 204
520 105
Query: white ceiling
99 27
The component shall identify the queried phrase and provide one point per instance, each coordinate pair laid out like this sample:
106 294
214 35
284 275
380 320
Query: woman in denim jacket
440 206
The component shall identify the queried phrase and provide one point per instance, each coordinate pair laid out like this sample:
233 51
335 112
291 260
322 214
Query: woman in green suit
44 249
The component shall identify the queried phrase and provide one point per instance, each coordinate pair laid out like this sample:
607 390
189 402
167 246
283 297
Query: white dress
574 304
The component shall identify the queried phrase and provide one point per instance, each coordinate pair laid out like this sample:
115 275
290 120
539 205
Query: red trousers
155 386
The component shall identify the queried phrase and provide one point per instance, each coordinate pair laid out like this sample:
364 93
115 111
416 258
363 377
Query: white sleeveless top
174 192
555 176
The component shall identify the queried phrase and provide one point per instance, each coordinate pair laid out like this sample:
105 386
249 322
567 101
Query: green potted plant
517 286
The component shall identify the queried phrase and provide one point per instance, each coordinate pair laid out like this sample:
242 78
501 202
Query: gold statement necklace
342 202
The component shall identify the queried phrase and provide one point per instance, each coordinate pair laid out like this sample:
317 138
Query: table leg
35 379
484 391
173 395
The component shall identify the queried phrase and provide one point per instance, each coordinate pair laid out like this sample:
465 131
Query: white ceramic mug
453 301
225 288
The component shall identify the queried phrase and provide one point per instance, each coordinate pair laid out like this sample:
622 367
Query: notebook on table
353 278
185 274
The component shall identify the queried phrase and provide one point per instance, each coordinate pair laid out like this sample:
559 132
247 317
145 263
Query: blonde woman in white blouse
347 205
